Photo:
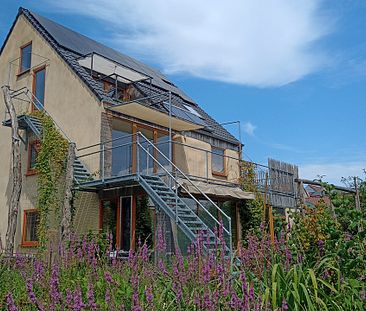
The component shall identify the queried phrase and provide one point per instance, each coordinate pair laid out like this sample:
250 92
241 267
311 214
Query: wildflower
148 294
207 301
107 297
145 253
54 285
69 298
108 277
284 305
10 302
234 302
90 295
321 247
78 300
31 294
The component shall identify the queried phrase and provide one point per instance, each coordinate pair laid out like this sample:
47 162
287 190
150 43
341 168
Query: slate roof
70 45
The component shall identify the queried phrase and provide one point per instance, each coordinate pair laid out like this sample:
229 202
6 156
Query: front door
115 219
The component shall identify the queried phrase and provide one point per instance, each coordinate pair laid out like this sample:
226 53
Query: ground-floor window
30 226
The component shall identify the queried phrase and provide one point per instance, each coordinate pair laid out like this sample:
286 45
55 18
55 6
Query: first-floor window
218 161
30 225
32 156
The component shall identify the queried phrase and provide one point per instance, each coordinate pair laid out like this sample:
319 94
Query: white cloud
249 128
333 171
251 42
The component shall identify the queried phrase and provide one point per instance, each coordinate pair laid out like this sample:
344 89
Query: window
30 224
25 57
39 86
192 110
218 161
33 148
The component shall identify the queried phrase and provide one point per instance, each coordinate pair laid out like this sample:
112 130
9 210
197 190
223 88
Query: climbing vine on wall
51 167
251 214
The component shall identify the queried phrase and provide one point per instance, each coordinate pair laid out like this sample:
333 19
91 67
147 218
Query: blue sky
293 72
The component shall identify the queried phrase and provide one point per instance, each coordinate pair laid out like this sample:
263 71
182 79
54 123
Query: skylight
192 110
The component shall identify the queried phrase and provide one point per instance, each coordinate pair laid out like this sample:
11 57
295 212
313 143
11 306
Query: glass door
108 219
125 223
121 149
145 152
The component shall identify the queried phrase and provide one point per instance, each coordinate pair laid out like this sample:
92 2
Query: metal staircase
26 121
165 196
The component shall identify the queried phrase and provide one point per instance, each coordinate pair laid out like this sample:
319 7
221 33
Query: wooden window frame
20 71
214 173
34 85
24 231
32 171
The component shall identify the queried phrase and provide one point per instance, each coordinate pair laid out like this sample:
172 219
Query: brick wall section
106 135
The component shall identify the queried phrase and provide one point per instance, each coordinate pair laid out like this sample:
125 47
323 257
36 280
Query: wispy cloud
249 128
251 42
333 171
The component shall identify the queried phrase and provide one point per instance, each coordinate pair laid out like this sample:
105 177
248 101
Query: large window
25 57
121 149
30 225
218 161
39 85
33 148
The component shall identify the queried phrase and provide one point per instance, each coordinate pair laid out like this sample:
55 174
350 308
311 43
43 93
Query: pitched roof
70 45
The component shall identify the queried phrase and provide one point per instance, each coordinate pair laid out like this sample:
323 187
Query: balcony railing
118 157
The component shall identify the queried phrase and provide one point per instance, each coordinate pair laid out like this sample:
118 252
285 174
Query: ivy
51 167
252 213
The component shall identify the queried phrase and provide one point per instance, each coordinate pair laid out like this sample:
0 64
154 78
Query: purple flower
69 298
31 294
10 302
78 300
107 297
284 305
90 295
54 285
234 302
321 247
149 295
108 277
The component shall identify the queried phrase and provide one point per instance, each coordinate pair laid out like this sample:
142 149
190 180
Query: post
176 197
271 224
67 205
265 198
137 154
16 173
170 136
103 160
207 166
238 226
357 201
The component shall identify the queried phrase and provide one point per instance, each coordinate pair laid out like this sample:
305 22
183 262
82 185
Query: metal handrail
25 90
106 142
192 196
188 179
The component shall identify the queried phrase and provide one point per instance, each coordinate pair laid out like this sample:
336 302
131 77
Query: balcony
121 160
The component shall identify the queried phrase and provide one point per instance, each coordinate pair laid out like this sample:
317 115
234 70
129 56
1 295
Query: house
148 156
314 195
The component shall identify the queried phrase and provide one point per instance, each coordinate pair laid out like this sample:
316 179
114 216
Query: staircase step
193 222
